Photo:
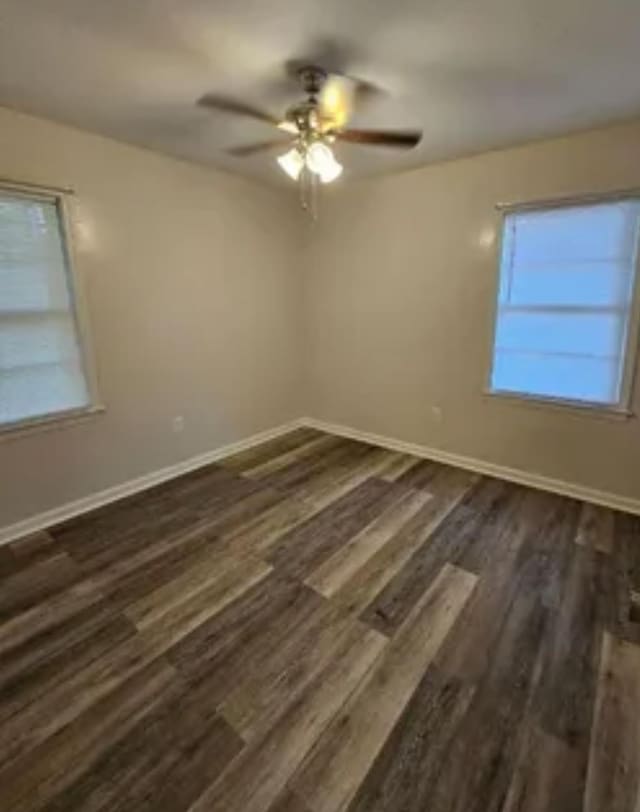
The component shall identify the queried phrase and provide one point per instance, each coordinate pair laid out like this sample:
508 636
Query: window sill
591 410
22 428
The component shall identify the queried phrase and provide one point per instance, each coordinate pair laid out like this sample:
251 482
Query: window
42 366
565 317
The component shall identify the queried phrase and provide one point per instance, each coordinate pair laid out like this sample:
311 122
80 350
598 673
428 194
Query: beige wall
211 297
193 299
400 289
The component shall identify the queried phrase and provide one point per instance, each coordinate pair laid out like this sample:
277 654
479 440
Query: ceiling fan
314 125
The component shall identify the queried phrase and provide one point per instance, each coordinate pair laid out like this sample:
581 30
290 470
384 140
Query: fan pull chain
309 192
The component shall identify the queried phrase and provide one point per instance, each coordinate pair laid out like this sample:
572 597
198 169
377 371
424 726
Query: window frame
624 408
79 311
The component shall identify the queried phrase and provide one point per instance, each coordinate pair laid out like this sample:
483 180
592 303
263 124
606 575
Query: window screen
565 302
41 365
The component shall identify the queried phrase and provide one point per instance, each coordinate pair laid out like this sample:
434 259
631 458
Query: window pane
575 333
41 369
578 233
587 379
27 392
579 285
564 301
32 262
43 339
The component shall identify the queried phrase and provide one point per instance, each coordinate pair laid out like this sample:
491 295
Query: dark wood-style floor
317 625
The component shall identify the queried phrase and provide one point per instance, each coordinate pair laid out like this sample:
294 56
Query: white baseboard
87 503
610 500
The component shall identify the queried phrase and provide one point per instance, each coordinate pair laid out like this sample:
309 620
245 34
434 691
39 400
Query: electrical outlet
178 424
436 413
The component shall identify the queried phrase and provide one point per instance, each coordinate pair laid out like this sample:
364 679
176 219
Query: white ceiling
473 74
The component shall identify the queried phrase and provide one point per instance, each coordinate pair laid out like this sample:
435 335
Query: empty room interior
319 439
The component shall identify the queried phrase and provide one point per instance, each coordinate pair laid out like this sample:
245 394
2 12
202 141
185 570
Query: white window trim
60 197
619 411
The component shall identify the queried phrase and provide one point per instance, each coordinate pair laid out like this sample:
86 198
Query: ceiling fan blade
365 91
214 102
399 139
336 102
341 96
262 146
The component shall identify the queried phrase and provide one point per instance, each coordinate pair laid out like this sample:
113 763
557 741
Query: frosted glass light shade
331 172
292 163
320 159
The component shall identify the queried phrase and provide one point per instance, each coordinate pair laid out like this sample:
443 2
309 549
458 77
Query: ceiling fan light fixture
331 172
292 162
319 157
321 161
288 127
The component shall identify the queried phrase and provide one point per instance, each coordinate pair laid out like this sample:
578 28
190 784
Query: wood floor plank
634 608
316 446
174 542
130 531
546 773
408 767
163 762
551 764
275 633
356 594
66 699
399 467
262 693
596 528
104 555
46 657
334 483
550 759
302 475
271 449
133 577
626 561
256 659
305 546
523 561
161 630
613 780
46 614
477 772
572 651
52 766
543 768
247 629
330 776
35 547
237 513
30 586
257 777
259 534
339 568
472 525
209 568
8 562
421 475
288 802
83 535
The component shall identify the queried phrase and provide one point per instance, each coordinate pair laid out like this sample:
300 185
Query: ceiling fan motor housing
312 78
304 116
